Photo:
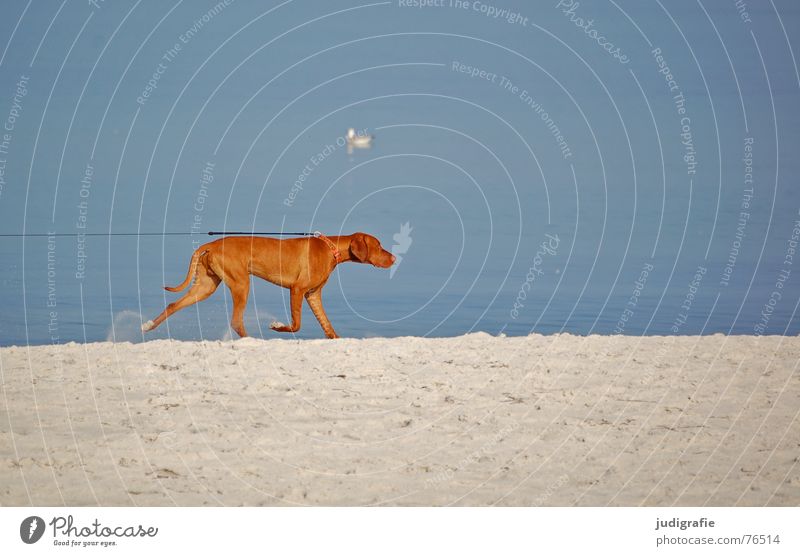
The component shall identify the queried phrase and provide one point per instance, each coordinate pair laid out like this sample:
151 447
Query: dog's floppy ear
358 248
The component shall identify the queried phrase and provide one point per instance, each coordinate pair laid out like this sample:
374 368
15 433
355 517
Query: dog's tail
191 273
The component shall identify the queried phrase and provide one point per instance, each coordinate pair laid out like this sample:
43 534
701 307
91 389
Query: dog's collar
336 254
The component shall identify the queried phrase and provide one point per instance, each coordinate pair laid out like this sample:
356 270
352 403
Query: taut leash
137 234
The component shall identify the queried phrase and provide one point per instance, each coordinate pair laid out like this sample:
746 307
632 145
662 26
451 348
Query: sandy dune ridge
471 420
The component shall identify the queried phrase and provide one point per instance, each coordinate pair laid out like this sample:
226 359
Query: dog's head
365 248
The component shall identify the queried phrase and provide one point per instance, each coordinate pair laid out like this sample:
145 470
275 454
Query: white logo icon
402 241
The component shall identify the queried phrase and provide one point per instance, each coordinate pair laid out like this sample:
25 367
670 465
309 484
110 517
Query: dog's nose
393 259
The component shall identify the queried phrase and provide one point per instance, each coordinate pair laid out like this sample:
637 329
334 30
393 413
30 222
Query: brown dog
303 265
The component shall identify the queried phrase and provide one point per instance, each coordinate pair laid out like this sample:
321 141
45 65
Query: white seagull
358 141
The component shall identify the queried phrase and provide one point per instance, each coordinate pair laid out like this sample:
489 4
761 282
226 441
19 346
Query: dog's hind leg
205 284
240 289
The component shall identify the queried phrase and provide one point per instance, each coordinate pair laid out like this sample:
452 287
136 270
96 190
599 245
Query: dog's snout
393 259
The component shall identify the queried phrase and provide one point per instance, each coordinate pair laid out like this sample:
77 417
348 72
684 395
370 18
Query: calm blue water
554 178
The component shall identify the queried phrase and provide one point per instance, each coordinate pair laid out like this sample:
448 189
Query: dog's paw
148 326
275 325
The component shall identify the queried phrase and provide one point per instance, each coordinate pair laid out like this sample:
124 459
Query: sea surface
533 171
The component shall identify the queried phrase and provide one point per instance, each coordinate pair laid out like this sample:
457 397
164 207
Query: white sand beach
473 420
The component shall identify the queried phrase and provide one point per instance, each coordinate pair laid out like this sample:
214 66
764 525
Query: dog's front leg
314 299
296 301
